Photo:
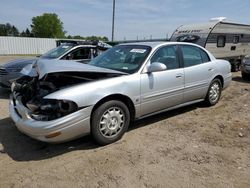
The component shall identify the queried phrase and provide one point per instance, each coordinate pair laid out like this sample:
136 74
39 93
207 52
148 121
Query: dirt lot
193 146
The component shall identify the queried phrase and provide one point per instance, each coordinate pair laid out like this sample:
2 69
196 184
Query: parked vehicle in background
80 51
225 40
245 68
66 100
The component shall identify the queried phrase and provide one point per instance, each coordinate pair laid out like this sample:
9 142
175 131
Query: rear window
193 55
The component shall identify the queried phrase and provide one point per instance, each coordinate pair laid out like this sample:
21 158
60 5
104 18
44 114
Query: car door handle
210 69
179 75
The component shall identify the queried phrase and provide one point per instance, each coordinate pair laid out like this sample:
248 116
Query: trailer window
221 41
236 39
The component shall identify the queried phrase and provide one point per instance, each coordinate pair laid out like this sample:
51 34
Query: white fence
23 45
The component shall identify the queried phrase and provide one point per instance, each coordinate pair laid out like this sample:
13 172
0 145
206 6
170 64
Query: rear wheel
109 122
214 92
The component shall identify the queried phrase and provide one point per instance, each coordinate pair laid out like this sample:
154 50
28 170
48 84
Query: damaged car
63 101
80 51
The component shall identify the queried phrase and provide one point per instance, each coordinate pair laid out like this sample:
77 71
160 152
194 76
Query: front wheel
214 92
109 122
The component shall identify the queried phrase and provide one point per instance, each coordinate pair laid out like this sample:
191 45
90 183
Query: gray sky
134 18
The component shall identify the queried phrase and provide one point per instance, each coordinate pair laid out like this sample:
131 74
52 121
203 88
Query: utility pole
113 21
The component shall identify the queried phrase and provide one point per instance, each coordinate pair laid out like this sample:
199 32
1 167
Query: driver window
168 56
81 53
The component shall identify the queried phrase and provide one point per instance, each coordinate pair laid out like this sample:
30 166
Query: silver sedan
63 101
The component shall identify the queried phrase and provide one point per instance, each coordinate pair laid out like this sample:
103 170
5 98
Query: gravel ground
194 146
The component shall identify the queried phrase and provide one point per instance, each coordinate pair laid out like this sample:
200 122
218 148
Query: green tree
3 30
8 30
26 33
14 31
47 25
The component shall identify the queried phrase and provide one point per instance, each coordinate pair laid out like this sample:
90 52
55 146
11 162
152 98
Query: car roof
85 45
157 44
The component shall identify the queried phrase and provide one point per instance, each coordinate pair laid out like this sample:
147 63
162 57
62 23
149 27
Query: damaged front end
56 119
50 76
32 92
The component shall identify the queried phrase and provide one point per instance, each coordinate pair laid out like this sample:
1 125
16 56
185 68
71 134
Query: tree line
11 30
47 25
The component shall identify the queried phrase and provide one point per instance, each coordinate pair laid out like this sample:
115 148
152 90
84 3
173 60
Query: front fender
90 93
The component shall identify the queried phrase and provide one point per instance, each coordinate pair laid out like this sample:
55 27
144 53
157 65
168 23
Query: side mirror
156 67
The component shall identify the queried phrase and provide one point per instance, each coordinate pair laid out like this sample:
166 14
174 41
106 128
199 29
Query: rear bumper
70 127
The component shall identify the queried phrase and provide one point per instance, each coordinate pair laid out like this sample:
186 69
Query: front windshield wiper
118 71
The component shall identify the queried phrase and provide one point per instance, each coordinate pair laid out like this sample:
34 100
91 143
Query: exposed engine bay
32 91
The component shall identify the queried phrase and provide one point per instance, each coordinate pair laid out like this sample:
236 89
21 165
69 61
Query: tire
214 92
109 122
245 76
235 67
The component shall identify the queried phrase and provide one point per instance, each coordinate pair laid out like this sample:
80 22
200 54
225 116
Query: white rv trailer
223 39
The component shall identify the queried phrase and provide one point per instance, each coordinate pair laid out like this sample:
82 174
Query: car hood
44 67
20 63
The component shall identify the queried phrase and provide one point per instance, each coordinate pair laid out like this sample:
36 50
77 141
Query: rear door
161 90
198 72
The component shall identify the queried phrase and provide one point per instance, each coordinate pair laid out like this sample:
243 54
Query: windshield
124 58
56 52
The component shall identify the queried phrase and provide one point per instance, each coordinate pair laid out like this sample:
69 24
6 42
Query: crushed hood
44 67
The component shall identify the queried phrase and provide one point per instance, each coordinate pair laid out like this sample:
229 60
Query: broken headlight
49 109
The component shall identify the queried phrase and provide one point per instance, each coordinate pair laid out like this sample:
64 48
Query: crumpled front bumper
72 126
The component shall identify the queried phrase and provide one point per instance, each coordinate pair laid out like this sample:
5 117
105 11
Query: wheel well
221 80
126 100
